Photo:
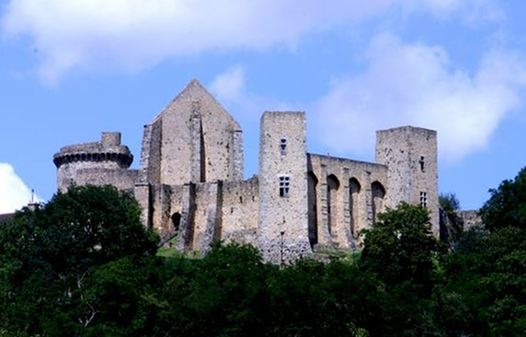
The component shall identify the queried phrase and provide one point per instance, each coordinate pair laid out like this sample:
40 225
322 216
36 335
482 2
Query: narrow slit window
283 146
423 199
284 184
422 164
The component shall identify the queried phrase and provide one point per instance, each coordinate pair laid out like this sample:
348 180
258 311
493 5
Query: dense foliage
83 265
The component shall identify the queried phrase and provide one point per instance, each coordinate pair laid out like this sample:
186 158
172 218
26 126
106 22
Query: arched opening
313 208
354 190
333 184
378 194
176 221
174 231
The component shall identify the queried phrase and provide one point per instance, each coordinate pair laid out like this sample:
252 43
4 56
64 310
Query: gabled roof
194 91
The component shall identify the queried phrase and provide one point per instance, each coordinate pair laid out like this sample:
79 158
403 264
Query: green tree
222 294
507 204
401 252
488 267
121 297
50 253
400 247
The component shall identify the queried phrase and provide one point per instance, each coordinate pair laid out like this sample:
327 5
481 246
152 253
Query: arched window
354 190
378 194
333 184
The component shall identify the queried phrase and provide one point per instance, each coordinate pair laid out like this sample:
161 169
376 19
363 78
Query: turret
96 163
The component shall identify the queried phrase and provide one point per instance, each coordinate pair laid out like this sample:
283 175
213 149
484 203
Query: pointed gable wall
198 140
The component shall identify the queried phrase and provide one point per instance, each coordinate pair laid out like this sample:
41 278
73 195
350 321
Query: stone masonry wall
470 218
351 208
150 165
240 211
207 216
123 180
198 214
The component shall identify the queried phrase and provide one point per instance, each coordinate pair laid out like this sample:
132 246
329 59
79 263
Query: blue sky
70 69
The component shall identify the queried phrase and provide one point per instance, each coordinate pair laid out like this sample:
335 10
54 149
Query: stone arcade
191 188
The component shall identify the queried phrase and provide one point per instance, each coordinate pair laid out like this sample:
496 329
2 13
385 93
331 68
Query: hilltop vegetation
83 265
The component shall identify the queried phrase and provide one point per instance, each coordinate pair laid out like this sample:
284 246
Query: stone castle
191 188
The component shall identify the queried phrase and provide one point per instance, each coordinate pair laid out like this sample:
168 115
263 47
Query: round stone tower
96 163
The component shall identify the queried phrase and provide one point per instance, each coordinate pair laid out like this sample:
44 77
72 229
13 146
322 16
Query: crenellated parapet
96 163
122 158
109 150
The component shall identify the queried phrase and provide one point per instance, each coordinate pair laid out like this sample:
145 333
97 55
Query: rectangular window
423 199
283 146
284 183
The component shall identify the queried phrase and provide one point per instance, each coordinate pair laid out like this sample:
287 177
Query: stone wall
240 211
195 215
470 219
123 180
150 165
341 199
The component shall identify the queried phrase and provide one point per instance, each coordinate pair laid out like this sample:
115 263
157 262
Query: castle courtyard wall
240 211
338 222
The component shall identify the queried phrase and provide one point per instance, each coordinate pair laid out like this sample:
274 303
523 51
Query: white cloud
14 194
230 85
471 11
230 88
416 84
134 34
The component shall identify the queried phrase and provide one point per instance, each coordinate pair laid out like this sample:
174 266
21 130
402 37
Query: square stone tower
410 154
283 234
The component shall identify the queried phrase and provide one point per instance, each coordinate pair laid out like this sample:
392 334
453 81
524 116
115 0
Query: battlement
407 130
282 113
108 149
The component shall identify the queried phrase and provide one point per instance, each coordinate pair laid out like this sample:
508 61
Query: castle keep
191 188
